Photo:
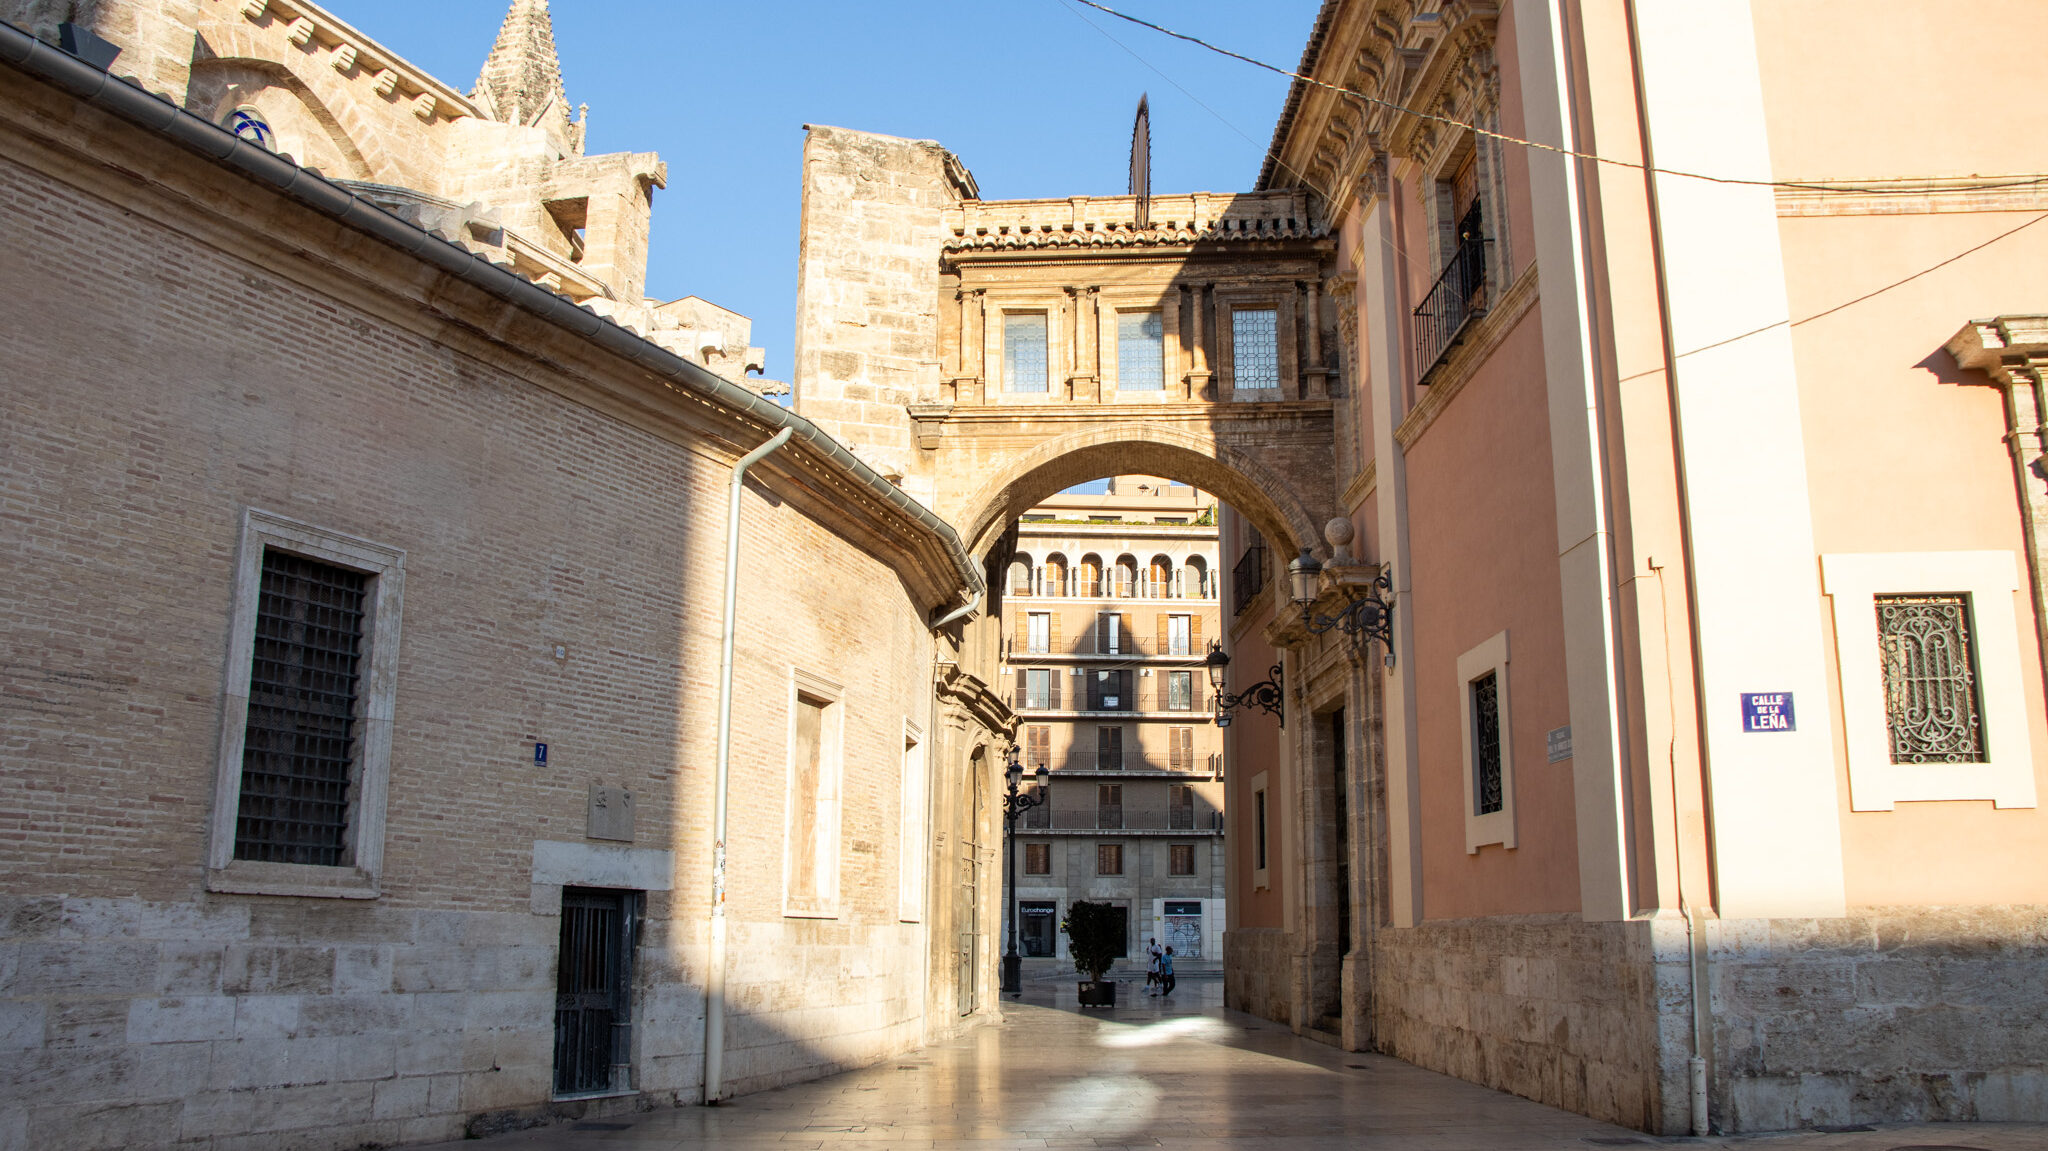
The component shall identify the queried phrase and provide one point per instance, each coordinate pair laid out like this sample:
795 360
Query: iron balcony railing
1248 578
1456 299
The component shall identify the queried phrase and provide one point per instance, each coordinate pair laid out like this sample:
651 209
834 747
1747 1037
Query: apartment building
1110 605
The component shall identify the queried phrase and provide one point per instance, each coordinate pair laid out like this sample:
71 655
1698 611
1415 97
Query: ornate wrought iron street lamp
1370 615
1016 803
1265 694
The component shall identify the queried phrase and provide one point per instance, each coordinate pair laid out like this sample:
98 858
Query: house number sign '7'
1767 711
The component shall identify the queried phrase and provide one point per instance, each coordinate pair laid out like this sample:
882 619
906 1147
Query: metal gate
593 1014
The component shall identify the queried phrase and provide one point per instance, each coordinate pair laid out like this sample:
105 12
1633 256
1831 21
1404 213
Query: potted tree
1095 934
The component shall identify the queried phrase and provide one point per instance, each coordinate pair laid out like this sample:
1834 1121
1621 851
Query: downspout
973 604
714 980
1695 927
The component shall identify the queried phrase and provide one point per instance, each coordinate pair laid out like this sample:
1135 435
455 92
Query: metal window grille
1140 352
1181 859
298 748
1180 690
1024 352
1255 348
1486 767
1039 817
1931 700
593 1016
1248 578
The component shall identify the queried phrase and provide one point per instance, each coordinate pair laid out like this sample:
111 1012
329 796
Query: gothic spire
522 80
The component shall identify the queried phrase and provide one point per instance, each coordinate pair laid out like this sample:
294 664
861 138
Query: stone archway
1022 478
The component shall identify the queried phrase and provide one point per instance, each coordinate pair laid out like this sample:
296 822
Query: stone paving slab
1181 1073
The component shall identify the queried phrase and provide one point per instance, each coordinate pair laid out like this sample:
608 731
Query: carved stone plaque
611 813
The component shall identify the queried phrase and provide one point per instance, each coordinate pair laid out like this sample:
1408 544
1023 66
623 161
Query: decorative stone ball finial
1339 532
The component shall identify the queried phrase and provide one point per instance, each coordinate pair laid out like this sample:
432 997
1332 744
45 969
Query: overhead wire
1896 186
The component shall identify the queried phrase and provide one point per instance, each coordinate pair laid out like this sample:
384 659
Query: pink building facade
1699 784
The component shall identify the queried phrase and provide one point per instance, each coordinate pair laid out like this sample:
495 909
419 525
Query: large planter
1098 993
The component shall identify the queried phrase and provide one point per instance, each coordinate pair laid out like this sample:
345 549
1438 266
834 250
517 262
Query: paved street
1181 1074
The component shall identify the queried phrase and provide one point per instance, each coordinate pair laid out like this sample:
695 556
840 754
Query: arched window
1195 578
1091 575
249 124
1159 578
1056 575
1126 576
1020 576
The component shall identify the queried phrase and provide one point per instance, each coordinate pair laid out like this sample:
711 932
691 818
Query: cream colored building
1109 604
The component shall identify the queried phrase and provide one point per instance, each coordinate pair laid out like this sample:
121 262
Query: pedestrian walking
1152 953
1166 972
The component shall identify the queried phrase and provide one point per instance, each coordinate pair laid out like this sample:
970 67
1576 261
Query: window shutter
1038 745
1165 635
1023 641
1130 636
1023 686
1054 677
1052 627
1195 634
1102 634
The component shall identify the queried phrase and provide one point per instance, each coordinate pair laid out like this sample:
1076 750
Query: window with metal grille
1180 690
1109 859
593 993
1109 805
1140 352
1259 830
1024 359
298 747
1931 701
1255 348
1180 807
1038 859
1180 859
1109 749
1486 767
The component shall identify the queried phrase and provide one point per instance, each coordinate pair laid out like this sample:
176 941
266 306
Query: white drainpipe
714 980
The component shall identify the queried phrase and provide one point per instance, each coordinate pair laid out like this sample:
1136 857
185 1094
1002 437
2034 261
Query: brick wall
168 382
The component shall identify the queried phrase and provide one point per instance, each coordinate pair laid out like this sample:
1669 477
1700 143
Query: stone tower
521 82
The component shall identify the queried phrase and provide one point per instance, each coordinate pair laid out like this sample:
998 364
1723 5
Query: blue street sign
1767 711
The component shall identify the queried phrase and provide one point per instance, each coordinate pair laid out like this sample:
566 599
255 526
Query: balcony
1456 299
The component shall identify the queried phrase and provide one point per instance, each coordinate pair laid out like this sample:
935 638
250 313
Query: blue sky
1033 98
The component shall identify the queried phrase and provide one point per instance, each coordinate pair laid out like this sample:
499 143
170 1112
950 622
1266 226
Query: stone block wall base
1548 1007
1258 973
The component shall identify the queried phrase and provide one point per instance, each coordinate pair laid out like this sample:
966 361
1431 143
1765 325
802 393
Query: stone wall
1258 972
562 519
1889 1015
1547 1007
867 325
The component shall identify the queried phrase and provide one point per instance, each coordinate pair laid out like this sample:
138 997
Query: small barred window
1931 701
1486 765
298 750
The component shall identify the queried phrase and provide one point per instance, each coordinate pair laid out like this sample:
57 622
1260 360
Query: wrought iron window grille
1488 792
1933 708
